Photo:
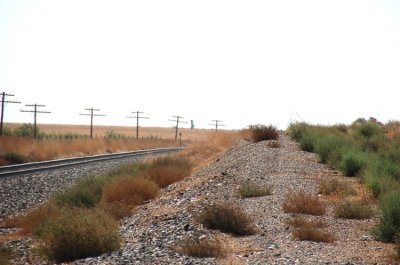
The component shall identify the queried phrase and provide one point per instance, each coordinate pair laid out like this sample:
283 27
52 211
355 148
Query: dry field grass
29 149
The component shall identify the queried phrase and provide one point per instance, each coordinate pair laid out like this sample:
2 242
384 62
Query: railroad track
6 171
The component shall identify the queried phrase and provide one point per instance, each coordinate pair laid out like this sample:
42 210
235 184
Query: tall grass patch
303 203
227 218
352 163
78 233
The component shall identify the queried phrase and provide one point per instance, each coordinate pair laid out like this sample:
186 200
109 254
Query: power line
35 111
216 124
137 117
177 120
3 101
91 114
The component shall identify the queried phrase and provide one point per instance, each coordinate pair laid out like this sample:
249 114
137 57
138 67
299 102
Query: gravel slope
151 233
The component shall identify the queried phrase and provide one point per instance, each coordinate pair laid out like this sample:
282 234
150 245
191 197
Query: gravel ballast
152 233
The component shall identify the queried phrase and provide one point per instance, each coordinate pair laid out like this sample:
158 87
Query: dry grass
33 218
208 247
227 218
301 202
130 191
309 230
274 144
5 255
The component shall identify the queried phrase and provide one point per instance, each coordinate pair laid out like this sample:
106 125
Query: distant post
137 117
35 112
216 124
91 114
3 100
177 120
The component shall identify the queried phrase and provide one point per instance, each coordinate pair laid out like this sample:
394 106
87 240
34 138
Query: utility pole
91 114
3 100
177 120
216 124
137 117
35 112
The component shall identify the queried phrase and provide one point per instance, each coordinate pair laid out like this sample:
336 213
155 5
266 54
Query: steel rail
6 171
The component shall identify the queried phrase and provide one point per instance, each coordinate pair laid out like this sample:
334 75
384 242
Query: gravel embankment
152 231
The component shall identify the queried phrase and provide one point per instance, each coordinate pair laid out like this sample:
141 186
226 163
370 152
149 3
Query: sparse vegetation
304 203
354 210
261 133
227 218
202 248
78 233
251 189
369 150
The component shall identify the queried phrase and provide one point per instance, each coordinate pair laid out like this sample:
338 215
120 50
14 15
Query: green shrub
353 210
261 133
5 255
297 130
77 234
227 218
368 129
307 143
389 219
250 189
86 193
352 163
329 149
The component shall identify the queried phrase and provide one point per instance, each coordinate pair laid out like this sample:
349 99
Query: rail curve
6 171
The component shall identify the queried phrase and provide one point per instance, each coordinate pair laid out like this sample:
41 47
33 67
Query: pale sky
243 62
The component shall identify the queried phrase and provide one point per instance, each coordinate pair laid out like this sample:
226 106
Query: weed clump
303 229
202 248
78 233
227 218
301 202
5 255
250 189
329 186
354 210
260 133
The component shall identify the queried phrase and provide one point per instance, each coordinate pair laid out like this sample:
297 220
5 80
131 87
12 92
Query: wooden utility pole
3 101
91 114
137 117
216 124
35 112
177 120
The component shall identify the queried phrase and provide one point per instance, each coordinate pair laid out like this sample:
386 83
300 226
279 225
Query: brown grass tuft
309 230
33 219
260 133
274 144
330 186
301 202
202 248
130 191
227 218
